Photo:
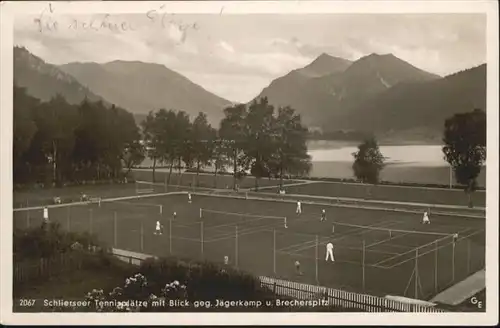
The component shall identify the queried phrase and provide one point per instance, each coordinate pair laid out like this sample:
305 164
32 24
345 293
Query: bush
47 241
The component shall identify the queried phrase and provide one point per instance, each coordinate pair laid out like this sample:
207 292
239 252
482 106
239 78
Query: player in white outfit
425 219
189 198
323 215
297 268
45 216
158 228
299 207
329 252
226 260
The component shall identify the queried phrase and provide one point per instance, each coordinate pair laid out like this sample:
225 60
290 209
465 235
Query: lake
405 163
421 155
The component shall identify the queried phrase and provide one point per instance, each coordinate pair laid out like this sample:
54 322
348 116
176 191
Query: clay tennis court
377 252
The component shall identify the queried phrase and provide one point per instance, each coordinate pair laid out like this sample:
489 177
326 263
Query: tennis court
377 252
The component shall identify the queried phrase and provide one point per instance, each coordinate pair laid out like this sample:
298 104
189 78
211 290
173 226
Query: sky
236 56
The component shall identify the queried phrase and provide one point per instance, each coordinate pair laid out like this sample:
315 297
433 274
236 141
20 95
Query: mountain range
141 87
43 80
376 93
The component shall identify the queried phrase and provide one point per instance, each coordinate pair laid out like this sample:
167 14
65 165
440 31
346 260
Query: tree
152 136
258 145
465 147
368 161
289 145
133 155
182 149
24 129
56 121
220 157
202 141
232 132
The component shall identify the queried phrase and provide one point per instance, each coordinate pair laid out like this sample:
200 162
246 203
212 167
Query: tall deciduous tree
152 139
57 122
134 154
465 147
258 146
220 159
24 129
182 148
289 145
202 142
232 132
368 161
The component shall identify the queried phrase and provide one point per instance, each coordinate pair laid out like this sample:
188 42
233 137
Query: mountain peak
324 64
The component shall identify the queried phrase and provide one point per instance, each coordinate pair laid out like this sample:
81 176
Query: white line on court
378 264
382 224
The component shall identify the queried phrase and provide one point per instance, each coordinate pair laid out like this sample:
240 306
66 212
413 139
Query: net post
202 240
236 245
436 267
161 209
316 260
115 237
453 262
274 251
364 249
416 273
142 236
90 221
170 236
468 256
201 213
68 219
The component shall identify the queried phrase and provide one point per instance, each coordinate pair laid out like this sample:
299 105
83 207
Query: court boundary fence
300 291
336 297
358 203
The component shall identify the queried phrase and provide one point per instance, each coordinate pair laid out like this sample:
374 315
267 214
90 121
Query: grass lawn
388 193
39 197
389 259
205 180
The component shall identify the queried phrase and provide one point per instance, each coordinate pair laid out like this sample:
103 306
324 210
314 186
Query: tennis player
425 219
158 228
297 268
45 216
226 260
329 252
174 215
323 215
299 207
189 198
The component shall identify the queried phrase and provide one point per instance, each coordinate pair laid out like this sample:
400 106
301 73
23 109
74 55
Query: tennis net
226 222
133 206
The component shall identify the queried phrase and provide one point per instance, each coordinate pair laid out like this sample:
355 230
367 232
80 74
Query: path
462 291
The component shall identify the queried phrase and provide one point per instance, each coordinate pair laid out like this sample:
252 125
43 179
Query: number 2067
25 302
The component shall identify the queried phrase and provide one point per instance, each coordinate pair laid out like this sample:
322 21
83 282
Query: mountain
418 108
292 89
140 87
321 97
44 81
